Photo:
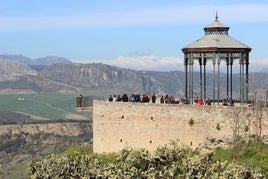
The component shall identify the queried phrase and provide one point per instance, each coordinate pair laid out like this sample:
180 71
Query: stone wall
145 125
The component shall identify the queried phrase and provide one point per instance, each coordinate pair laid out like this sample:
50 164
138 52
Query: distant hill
19 58
11 70
96 76
48 60
102 80
44 61
18 76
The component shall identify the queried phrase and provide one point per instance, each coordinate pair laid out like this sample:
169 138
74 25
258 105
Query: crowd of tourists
151 98
147 98
200 101
167 99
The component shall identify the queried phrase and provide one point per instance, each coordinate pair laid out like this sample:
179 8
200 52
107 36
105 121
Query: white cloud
142 16
150 63
257 65
166 64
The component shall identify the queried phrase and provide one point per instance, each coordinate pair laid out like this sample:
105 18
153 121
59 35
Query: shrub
170 161
252 154
191 122
74 150
246 129
218 127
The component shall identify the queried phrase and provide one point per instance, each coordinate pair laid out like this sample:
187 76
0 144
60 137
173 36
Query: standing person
200 102
166 99
118 98
186 101
231 101
153 98
132 98
195 98
79 100
162 99
110 98
114 98
225 102
208 101
125 98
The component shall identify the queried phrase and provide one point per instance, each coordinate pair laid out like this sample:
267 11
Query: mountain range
56 74
48 60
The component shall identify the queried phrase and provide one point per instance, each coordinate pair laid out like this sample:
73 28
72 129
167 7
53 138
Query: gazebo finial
216 17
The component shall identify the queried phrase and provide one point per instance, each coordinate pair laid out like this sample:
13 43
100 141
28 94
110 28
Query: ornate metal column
231 78
241 62
219 62
200 77
247 86
186 75
228 76
243 78
204 65
191 69
214 77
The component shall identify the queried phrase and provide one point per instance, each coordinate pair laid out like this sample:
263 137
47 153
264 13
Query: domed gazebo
216 46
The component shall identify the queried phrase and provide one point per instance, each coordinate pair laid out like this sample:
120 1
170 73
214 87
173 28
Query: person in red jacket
200 101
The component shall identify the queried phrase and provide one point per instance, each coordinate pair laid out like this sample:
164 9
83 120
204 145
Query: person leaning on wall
80 100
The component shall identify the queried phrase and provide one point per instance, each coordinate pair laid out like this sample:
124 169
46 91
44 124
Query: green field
52 106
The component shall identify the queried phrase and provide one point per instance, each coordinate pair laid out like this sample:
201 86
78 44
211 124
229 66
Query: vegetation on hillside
19 147
17 150
252 155
172 161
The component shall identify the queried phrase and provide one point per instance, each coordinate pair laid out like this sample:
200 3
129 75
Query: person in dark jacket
153 98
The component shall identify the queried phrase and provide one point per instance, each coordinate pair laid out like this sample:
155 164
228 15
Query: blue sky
138 34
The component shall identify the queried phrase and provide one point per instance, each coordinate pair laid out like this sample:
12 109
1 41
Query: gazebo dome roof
216 25
216 39
216 43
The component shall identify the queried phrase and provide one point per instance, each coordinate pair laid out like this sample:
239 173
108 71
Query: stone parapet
145 125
